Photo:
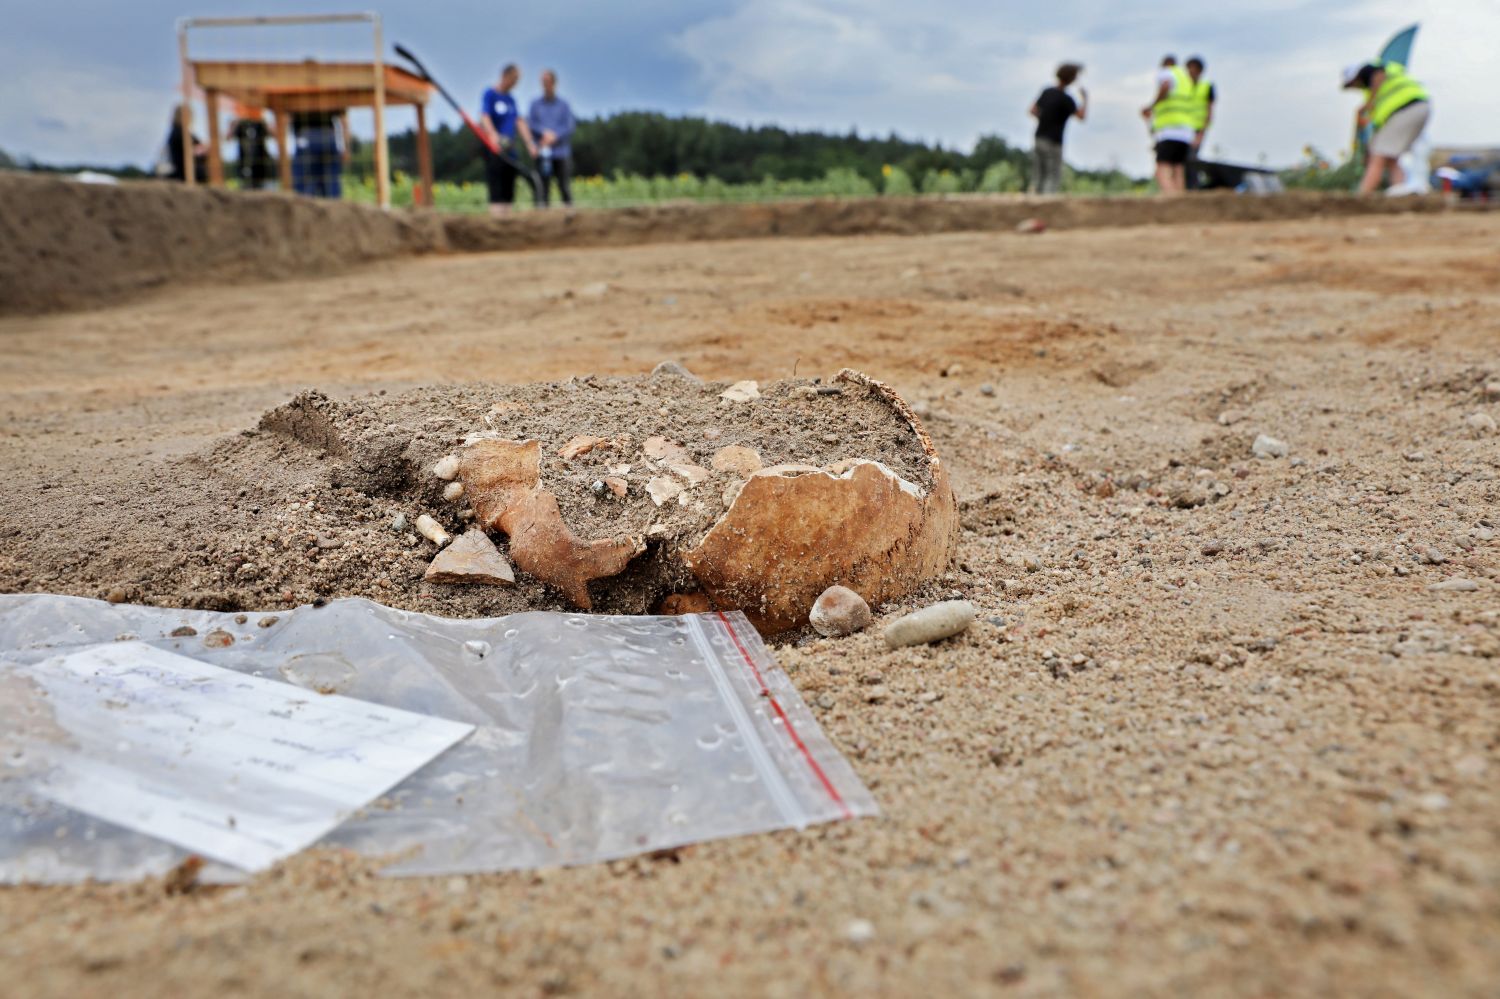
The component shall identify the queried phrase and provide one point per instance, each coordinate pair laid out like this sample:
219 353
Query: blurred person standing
249 132
1203 95
181 146
318 162
501 121
1172 120
552 125
1397 106
1052 110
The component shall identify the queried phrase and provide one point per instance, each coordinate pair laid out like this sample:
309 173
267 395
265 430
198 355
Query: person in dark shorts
254 168
1052 110
501 121
551 121
1172 116
1204 94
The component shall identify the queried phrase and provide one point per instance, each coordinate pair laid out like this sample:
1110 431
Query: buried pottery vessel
730 536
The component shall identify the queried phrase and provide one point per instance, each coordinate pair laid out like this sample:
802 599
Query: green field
623 190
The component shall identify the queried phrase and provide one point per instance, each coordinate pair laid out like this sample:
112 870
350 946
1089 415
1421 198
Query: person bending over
1398 107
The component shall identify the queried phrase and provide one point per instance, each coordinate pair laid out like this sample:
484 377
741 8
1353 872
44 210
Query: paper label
238 768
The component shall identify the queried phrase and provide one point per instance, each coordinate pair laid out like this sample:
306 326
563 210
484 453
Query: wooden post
283 149
215 149
382 150
189 175
424 156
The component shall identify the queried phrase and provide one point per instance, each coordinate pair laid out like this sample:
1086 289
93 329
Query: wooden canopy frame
286 87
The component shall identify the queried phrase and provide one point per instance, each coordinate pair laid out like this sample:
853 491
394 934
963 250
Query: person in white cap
1397 107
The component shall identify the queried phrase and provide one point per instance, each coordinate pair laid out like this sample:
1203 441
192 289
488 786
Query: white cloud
79 114
951 71
880 64
948 70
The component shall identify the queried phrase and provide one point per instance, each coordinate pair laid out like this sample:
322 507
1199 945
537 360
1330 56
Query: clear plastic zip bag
596 737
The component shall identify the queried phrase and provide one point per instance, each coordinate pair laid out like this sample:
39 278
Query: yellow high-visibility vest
1200 93
1178 108
1396 91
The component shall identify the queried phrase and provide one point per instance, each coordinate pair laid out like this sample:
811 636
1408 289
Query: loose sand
303 504
1213 733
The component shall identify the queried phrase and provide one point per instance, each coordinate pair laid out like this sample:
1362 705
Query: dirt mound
66 245
321 498
895 217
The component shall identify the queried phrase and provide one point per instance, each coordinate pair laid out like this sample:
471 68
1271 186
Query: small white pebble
859 931
1266 446
446 468
930 624
433 531
452 491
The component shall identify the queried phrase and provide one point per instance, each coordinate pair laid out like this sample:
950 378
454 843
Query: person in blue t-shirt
501 120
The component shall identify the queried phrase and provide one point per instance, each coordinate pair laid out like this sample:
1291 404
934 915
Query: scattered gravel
1280 767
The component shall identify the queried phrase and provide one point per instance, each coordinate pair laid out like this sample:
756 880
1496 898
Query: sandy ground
65 245
1215 735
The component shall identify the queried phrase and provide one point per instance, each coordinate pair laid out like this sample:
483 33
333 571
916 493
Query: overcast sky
93 80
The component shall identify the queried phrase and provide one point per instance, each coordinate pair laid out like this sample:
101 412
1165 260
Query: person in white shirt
1171 120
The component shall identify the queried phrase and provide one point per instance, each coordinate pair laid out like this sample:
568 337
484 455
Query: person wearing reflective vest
1397 106
1173 119
1203 95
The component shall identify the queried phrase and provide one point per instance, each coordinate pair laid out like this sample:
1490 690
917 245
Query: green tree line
650 144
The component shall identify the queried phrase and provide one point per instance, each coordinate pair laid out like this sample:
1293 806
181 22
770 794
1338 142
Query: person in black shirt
249 131
176 155
1052 110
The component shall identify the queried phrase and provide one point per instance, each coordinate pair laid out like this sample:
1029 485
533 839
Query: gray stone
1266 446
1455 585
671 369
1185 497
472 558
930 624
